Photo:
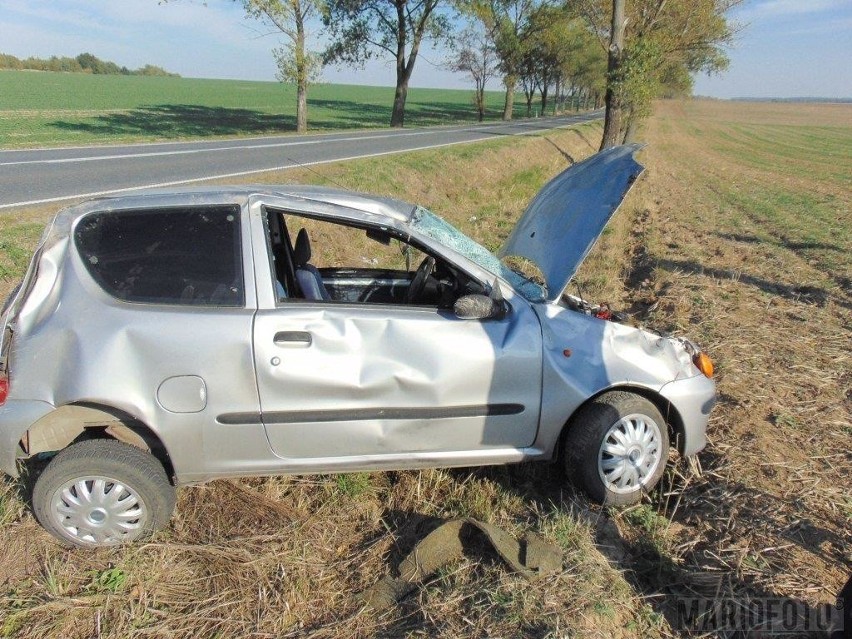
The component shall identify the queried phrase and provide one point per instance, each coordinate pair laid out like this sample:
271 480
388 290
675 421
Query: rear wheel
616 448
103 492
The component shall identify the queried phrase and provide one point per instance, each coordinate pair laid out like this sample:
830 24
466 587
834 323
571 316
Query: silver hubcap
98 510
630 453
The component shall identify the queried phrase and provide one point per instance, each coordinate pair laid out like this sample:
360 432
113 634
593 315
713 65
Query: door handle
293 338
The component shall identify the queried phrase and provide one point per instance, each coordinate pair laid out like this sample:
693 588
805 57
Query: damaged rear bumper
16 417
693 398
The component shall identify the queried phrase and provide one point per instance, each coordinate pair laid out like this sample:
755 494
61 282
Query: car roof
373 206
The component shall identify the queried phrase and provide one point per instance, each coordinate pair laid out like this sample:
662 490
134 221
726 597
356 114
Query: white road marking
284 167
244 147
241 147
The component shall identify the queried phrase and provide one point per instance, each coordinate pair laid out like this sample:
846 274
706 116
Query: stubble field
738 235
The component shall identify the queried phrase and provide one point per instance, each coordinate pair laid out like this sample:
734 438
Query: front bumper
693 398
16 417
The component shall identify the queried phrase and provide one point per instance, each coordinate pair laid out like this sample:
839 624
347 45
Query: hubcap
630 453
98 511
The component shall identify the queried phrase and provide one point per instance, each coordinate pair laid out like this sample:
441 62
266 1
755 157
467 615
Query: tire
75 498
637 441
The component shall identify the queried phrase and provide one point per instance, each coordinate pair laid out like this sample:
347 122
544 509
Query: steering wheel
418 283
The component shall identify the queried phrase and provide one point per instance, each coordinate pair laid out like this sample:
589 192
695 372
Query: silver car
160 339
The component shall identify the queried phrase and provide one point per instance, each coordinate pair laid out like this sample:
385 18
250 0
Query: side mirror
477 306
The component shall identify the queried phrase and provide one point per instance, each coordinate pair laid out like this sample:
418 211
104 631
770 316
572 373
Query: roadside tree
651 43
505 21
474 55
553 54
362 29
296 65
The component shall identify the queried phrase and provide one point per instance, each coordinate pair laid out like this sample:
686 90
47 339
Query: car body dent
425 380
585 356
75 343
87 352
454 368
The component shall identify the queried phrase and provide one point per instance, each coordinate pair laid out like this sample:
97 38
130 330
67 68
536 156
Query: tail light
4 388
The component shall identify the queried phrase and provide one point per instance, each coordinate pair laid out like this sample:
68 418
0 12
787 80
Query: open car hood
566 217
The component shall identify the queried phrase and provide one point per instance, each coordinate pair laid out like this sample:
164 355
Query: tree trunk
630 129
510 81
405 69
302 105
398 113
612 121
543 99
301 75
557 98
402 72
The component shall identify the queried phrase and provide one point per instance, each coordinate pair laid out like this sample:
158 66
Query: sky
784 48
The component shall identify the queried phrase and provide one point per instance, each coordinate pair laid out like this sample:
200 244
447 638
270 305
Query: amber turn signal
704 364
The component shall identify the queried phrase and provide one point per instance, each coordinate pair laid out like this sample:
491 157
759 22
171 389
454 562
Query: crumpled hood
566 217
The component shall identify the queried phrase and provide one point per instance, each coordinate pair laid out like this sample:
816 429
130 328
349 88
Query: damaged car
166 338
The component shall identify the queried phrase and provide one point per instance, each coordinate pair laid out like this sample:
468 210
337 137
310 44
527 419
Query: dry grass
697 249
745 228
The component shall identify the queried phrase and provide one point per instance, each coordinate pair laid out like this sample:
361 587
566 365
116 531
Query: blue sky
788 48
785 47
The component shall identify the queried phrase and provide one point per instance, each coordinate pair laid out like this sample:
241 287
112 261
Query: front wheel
616 448
102 492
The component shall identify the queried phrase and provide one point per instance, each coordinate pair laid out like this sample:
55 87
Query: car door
341 379
346 379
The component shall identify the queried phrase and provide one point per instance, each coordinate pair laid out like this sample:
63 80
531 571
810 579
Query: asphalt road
38 176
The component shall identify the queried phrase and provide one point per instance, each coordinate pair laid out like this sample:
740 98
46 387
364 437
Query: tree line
83 63
559 53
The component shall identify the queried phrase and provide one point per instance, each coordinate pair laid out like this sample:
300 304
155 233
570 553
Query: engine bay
601 311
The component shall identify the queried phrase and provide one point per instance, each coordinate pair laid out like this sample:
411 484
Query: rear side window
187 256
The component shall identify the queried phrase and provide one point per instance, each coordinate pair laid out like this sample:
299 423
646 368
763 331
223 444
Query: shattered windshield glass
447 235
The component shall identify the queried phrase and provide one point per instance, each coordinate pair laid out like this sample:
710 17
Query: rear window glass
187 256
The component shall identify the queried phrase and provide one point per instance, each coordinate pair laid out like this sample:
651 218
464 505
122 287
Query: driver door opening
319 260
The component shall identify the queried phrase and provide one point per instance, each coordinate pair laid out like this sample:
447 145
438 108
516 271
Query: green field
40 108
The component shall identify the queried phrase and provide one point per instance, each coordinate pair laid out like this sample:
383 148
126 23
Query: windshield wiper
528 280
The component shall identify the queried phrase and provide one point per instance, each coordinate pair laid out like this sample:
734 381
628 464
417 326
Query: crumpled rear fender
17 415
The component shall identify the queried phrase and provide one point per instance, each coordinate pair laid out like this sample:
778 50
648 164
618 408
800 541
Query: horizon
781 51
694 96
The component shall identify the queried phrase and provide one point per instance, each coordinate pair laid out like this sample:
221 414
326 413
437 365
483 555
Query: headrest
302 250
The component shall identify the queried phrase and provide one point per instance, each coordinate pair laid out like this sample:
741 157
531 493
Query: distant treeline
83 63
801 99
